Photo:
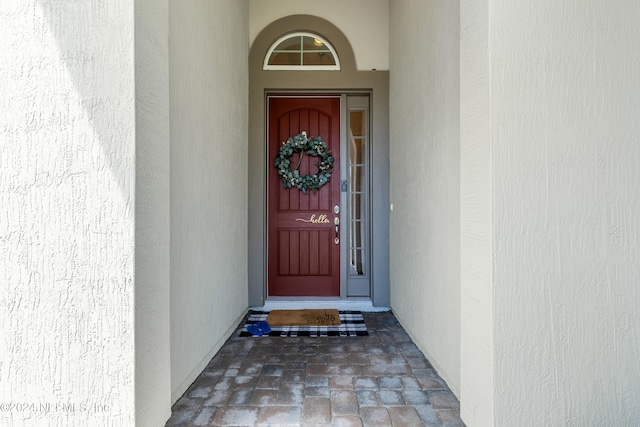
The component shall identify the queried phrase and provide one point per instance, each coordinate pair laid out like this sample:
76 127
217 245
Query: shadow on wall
70 200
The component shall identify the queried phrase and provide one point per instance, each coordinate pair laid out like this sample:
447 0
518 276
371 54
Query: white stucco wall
208 45
364 22
565 135
152 285
67 170
425 186
476 233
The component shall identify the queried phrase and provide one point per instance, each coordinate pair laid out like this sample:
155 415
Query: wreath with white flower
315 147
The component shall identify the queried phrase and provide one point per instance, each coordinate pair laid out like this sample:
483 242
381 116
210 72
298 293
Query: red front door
303 243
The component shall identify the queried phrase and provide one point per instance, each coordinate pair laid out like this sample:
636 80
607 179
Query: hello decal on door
321 219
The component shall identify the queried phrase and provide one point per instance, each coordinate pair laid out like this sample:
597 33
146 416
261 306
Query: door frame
344 170
349 80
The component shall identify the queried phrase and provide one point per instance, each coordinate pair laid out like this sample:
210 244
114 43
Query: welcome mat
351 325
314 317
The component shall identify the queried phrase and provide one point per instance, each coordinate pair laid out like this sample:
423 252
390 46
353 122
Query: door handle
336 221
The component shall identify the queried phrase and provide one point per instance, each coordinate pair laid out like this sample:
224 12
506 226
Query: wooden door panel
303 260
299 252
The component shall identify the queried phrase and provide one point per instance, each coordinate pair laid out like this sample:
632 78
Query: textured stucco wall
364 22
67 170
208 45
476 249
152 285
425 185
565 129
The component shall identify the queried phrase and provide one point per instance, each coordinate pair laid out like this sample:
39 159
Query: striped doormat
351 325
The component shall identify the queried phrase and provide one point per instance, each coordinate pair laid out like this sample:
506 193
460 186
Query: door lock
336 222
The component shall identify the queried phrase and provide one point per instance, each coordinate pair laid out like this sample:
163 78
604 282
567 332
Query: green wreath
315 147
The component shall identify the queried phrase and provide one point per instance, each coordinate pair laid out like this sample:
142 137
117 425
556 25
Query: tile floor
378 380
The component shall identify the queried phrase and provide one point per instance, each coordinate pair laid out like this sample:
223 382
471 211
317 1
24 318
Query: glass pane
358 266
357 179
292 43
357 123
281 58
310 43
359 234
357 151
318 58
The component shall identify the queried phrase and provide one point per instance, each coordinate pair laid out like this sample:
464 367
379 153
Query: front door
303 228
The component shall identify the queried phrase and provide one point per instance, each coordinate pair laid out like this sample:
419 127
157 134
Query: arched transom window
301 51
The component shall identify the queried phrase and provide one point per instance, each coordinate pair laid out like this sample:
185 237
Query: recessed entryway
332 241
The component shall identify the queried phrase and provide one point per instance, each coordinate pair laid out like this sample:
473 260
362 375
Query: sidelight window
358 192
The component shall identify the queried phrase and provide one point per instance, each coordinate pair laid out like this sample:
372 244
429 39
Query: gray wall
565 151
476 240
425 178
550 101
208 47
152 285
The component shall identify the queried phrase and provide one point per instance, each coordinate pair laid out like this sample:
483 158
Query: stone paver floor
377 380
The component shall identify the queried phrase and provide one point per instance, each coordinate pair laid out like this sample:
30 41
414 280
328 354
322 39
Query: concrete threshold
282 303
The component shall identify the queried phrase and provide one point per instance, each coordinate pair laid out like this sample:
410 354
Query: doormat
351 325
321 317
